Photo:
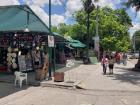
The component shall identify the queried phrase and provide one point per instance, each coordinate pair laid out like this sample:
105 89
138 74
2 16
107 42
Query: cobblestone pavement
122 88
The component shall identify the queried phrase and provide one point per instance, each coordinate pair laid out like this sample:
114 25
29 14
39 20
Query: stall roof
59 38
18 18
76 44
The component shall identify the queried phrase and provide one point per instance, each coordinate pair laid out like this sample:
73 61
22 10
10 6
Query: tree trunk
137 66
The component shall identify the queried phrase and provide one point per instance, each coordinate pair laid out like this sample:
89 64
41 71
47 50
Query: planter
58 76
40 75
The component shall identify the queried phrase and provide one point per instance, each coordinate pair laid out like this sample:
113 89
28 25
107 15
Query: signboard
96 43
22 63
50 41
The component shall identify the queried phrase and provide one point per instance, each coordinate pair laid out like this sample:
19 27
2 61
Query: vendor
37 57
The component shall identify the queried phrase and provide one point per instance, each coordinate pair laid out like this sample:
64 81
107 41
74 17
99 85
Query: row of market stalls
21 33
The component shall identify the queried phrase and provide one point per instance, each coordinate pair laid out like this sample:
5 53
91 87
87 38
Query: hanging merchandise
22 63
11 59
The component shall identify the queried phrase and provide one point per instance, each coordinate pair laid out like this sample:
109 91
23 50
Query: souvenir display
11 59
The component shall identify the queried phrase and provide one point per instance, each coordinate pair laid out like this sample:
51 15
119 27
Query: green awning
20 17
59 38
76 44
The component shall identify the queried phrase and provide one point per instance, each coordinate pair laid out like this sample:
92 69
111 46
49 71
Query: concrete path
91 77
123 79
122 88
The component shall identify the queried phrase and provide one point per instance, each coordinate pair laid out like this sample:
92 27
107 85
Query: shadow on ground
9 88
7 80
127 75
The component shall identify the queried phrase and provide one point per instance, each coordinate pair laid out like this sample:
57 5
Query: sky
62 10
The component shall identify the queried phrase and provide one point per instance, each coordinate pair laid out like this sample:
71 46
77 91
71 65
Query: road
122 88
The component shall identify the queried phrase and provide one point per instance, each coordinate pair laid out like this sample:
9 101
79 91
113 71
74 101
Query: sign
22 63
96 43
50 41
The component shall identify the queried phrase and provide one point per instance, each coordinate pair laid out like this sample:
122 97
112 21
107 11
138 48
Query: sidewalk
123 79
91 77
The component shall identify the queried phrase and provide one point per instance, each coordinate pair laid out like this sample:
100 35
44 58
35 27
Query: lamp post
97 35
134 44
88 6
52 48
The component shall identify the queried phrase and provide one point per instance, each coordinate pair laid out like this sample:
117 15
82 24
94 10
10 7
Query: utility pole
134 42
97 34
88 38
51 49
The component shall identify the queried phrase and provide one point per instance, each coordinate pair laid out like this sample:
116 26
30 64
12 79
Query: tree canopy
133 3
113 28
136 38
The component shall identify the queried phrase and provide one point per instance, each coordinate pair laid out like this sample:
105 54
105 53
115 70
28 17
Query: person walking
111 64
124 59
104 63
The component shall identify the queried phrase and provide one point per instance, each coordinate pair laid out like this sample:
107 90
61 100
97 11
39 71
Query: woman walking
104 64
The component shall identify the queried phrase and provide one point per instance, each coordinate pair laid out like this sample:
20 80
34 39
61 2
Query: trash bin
40 75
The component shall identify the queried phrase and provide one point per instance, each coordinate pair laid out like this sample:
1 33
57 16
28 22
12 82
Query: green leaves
113 28
133 3
136 38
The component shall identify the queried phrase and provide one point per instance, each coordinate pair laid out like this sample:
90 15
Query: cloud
136 26
135 20
40 13
9 2
72 6
55 19
38 5
75 5
42 3
109 3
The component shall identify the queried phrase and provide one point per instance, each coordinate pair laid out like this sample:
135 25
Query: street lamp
51 49
96 44
134 44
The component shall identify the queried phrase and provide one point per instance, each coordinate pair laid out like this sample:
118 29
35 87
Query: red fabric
3 68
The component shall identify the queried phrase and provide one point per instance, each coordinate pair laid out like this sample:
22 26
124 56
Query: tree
113 27
63 29
136 38
136 4
54 29
133 3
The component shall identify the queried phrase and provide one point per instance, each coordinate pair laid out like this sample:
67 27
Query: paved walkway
92 77
122 88
121 80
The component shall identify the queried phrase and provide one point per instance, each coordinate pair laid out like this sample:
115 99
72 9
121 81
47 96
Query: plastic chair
20 77
69 63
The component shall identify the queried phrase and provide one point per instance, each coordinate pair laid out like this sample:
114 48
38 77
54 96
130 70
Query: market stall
22 33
